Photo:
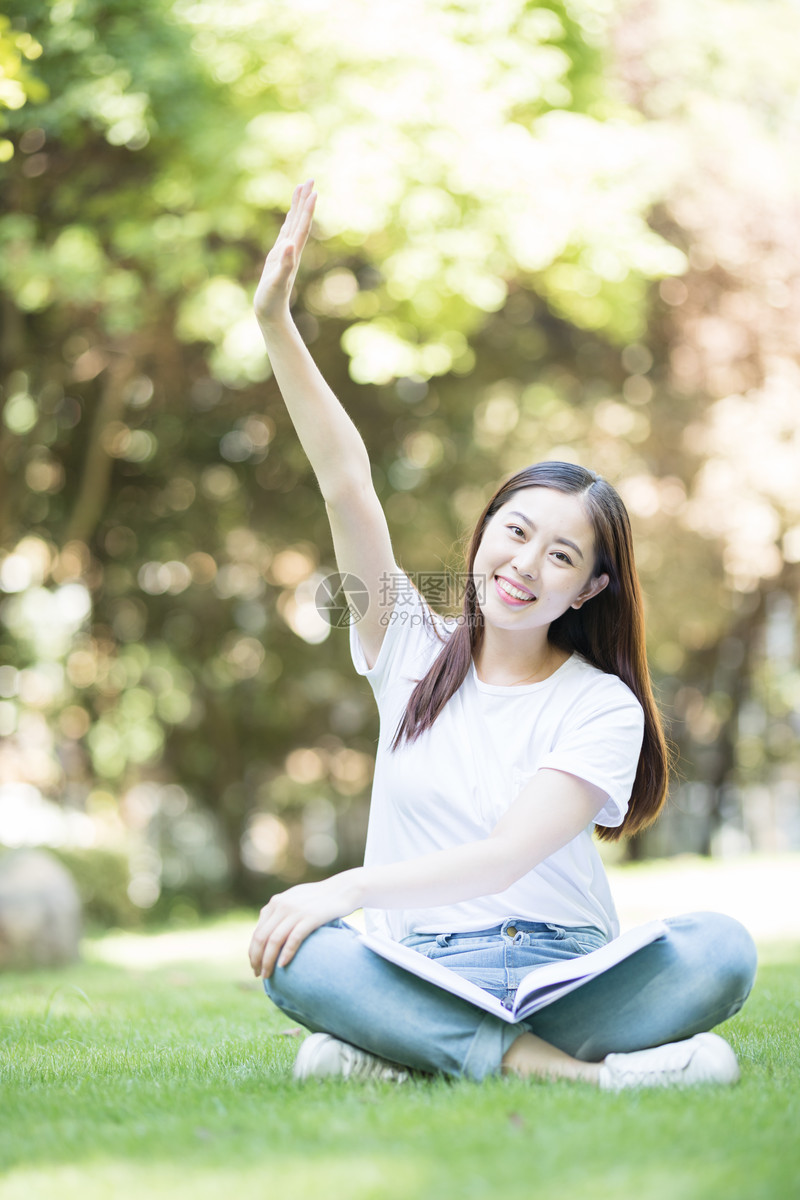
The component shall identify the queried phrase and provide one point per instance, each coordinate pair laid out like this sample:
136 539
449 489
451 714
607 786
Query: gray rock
40 911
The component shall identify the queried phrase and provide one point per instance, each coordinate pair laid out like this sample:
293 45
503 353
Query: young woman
507 737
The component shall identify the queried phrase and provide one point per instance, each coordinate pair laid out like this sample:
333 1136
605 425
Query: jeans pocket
422 943
578 939
585 942
462 949
481 963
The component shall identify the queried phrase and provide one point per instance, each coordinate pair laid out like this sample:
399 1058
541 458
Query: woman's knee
318 961
718 943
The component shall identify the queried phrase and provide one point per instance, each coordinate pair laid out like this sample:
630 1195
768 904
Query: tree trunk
96 476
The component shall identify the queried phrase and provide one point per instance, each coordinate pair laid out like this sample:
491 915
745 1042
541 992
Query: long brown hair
608 631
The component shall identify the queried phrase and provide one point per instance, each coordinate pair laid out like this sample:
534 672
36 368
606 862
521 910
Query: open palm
274 290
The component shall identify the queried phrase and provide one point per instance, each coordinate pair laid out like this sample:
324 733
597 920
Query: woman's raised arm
329 438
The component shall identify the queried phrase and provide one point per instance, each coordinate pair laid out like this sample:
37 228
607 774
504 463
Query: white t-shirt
455 781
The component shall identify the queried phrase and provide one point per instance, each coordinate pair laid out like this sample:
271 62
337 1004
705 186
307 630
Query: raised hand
274 290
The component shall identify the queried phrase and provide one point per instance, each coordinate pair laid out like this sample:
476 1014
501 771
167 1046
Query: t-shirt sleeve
410 643
601 743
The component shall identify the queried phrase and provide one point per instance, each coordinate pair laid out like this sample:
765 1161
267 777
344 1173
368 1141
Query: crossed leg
687 982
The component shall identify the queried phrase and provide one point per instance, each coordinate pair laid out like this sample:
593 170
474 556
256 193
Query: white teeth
515 593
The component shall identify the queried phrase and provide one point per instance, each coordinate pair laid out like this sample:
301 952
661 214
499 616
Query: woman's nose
526 563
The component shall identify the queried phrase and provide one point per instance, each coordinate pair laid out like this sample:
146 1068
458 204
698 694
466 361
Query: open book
540 987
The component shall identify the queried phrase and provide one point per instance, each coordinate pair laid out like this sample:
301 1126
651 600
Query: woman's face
536 560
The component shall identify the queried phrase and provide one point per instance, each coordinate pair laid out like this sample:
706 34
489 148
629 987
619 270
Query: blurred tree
717 78
500 188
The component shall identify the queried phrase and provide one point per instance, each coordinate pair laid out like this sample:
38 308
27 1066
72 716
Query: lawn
157 1067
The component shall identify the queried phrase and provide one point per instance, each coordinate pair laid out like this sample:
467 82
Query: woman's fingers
306 217
290 219
299 203
281 930
280 268
286 921
293 940
285 934
297 234
274 926
285 231
256 949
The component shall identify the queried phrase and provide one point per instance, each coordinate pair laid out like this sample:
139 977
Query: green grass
120 1082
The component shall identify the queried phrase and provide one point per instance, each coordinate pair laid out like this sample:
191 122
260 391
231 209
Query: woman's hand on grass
274 290
287 920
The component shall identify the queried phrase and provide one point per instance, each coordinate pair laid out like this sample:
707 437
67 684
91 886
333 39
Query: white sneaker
322 1055
705 1058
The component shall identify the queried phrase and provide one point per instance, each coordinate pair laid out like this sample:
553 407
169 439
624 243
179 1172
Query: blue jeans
693 978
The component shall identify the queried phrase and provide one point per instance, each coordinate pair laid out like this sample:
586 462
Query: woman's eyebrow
561 540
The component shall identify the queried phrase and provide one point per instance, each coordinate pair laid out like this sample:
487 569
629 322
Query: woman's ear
593 587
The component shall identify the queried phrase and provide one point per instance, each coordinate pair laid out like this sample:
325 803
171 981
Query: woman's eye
562 557
516 529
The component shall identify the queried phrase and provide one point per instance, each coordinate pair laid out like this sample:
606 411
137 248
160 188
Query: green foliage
188 128
102 878
18 83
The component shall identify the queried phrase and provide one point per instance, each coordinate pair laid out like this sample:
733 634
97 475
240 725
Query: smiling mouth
513 593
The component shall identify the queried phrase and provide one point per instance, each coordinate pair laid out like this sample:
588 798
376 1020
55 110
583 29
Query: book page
434 972
549 982
540 987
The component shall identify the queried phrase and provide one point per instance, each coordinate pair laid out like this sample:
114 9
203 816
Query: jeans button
511 931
